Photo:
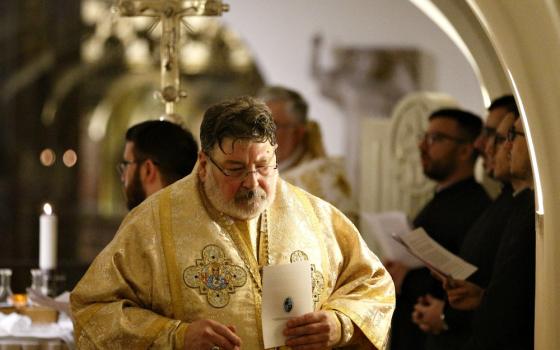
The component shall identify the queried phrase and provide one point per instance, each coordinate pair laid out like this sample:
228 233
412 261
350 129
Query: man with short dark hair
504 309
156 154
448 156
449 328
484 143
184 270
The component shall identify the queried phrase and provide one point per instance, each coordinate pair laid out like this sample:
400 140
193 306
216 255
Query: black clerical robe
446 218
479 248
505 318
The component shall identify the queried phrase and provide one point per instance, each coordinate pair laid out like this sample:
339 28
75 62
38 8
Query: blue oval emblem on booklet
288 304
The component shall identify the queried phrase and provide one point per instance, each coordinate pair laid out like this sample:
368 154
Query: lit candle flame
47 209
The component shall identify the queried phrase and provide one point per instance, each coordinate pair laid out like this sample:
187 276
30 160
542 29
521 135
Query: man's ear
202 161
149 172
300 131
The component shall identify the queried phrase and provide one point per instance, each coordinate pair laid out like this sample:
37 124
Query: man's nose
251 179
422 144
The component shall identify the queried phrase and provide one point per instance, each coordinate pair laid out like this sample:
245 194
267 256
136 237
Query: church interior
74 75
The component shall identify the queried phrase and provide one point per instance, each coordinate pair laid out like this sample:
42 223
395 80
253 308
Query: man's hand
464 295
398 272
427 314
315 330
205 334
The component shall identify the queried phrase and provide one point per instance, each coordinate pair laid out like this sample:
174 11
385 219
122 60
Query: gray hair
296 105
242 118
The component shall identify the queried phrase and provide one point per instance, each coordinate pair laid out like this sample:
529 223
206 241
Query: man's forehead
128 148
443 124
279 109
495 117
231 148
505 124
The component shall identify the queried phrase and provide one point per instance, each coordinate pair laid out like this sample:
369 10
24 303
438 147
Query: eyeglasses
512 133
488 131
432 137
241 173
123 164
499 139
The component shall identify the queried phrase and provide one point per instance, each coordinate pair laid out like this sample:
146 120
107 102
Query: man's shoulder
180 191
289 196
469 189
316 165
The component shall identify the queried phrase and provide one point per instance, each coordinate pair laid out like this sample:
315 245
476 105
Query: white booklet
434 256
286 294
378 230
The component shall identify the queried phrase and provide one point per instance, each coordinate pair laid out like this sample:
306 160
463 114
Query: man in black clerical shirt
448 157
485 141
449 328
504 310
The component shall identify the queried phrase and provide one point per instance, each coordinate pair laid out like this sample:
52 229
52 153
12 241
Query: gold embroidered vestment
173 261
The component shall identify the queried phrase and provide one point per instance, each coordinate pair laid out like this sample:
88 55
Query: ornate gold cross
170 13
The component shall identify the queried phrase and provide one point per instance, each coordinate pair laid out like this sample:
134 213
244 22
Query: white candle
47 238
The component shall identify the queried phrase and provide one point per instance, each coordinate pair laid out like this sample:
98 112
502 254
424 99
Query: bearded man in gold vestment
184 269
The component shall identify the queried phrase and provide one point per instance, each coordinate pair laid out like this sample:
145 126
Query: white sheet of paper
429 251
280 282
378 228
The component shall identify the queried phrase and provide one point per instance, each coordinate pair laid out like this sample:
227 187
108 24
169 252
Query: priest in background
184 269
302 159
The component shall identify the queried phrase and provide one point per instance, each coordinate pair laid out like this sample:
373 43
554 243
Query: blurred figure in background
448 157
302 159
156 154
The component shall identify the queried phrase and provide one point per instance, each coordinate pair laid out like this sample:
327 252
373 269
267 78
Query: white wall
280 32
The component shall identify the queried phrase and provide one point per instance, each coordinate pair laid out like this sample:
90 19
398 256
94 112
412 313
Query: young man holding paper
448 157
504 310
449 328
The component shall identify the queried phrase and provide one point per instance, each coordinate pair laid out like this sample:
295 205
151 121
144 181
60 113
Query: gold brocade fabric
173 262
325 177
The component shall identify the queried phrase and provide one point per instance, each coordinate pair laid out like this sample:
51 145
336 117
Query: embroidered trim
169 253
317 280
215 276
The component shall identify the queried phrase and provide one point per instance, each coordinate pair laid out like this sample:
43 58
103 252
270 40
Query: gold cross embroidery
215 276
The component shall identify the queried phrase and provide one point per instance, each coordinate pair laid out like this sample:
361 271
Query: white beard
246 205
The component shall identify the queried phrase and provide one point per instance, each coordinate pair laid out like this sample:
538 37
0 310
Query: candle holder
5 287
40 281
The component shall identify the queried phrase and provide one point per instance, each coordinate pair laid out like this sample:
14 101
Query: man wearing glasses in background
447 327
448 157
156 154
184 270
503 311
484 143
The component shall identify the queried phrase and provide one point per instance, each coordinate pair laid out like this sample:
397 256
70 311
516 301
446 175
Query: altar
19 332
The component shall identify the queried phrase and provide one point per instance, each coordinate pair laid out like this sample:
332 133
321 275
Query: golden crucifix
170 13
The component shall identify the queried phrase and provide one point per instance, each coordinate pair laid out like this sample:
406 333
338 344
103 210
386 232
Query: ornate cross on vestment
170 13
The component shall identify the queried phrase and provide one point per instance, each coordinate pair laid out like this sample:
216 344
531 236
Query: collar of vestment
254 262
